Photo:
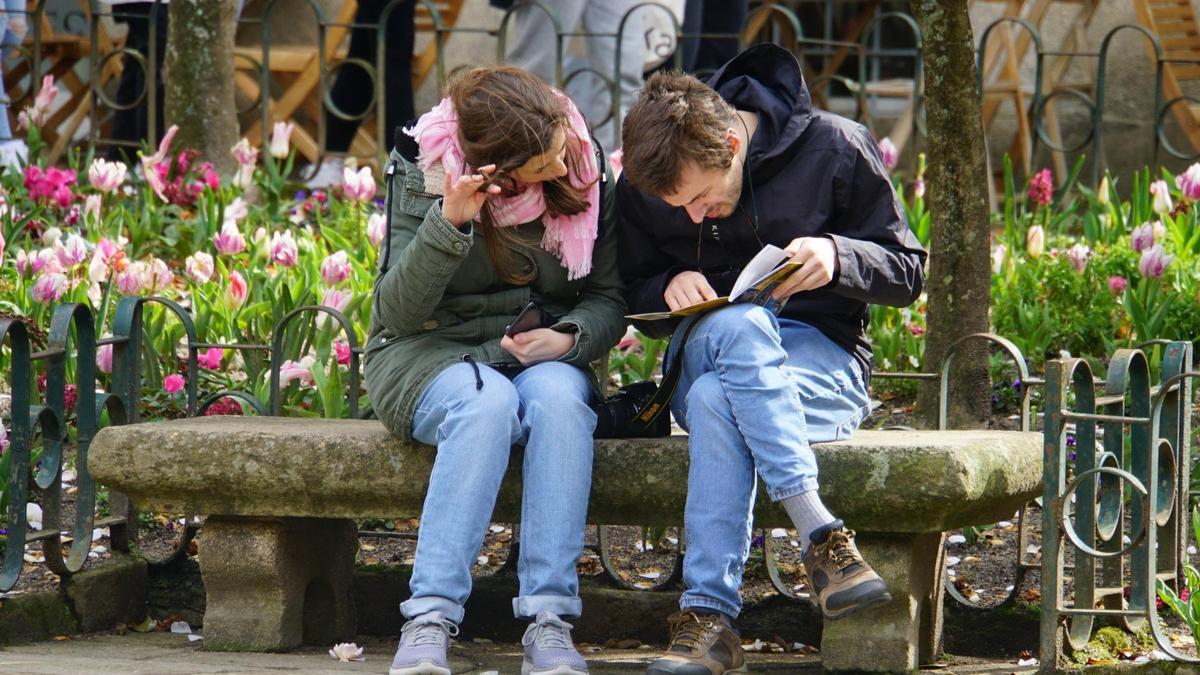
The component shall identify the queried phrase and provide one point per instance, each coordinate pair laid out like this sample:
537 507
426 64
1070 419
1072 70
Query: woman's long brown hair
505 117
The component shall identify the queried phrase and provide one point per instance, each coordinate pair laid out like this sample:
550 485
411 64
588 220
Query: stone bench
279 543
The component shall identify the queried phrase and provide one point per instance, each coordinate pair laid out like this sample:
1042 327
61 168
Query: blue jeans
755 391
545 408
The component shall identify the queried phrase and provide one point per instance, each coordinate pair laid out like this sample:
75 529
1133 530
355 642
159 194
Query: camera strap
666 389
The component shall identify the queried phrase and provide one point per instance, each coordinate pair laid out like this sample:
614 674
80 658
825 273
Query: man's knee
741 320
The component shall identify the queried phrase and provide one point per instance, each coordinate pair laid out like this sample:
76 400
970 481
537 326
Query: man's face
708 193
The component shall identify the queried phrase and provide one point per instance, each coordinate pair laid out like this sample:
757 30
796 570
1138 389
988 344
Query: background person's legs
604 19
132 125
13 26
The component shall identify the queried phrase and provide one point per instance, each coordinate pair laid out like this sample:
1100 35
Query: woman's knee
474 394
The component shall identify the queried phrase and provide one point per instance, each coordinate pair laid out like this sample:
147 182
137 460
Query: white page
759 266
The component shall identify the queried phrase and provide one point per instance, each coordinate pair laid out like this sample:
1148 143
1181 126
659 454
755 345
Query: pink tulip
889 153
156 276
1142 237
48 262
281 133
335 268
1078 255
998 255
1041 188
104 358
229 241
244 178
1154 262
49 288
293 370
283 249
211 358
336 299
376 225
359 186
1117 284
1160 230
24 262
199 267
106 176
173 383
1188 182
1162 197
342 349
72 253
128 280
919 189
36 114
91 209
244 153
236 291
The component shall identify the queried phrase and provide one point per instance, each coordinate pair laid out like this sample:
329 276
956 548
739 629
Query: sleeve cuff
844 255
443 235
571 328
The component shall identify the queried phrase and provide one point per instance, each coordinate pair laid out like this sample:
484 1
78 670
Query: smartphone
529 318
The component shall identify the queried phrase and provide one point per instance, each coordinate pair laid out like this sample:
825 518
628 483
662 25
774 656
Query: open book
759 277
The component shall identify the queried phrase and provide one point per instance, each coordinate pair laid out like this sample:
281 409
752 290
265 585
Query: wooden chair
1174 22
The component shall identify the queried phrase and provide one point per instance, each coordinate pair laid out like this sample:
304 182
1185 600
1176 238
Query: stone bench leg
905 633
273 584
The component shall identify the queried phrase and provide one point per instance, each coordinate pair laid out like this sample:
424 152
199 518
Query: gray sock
807 514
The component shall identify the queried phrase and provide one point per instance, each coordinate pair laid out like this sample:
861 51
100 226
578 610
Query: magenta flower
1142 237
211 358
889 153
72 253
1188 182
283 249
173 383
229 241
359 186
53 183
236 291
335 268
342 349
49 288
1078 255
128 280
1041 188
1117 284
376 225
1154 262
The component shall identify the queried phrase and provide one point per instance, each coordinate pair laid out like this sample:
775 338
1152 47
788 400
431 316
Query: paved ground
166 654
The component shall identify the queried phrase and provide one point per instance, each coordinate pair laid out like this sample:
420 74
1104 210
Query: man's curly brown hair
676 119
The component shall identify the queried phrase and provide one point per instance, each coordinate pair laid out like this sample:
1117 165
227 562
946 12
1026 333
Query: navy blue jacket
811 173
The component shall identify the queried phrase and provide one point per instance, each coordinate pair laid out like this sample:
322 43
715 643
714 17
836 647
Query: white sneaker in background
328 174
14 154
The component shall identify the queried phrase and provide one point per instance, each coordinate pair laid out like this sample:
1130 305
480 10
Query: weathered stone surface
35 617
904 633
880 481
273 584
110 594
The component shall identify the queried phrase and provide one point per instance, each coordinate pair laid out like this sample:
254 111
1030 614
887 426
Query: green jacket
441 299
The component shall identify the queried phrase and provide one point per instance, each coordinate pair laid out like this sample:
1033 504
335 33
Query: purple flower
1188 182
1117 284
1142 237
1154 262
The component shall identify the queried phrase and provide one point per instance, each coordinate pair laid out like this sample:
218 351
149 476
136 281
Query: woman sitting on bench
495 213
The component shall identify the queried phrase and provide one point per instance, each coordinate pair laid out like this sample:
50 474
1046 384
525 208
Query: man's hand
463 198
687 289
538 345
818 259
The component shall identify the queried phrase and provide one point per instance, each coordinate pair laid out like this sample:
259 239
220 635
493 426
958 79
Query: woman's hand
538 345
463 199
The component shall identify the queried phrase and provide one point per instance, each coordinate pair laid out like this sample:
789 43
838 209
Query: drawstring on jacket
478 377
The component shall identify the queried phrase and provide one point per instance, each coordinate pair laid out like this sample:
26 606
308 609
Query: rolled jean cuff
414 607
804 485
686 603
529 606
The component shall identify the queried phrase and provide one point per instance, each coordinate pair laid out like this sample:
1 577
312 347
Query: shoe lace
688 629
421 632
838 549
549 634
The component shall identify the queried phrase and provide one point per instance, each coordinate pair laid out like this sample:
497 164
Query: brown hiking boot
843 581
701 644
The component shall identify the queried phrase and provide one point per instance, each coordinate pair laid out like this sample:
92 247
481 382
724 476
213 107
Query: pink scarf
571 238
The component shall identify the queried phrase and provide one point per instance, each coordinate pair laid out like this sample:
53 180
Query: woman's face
549 165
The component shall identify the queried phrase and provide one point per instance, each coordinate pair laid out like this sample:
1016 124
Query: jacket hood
766 79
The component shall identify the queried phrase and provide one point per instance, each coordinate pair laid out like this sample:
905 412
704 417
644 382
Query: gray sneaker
549 650
423 644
